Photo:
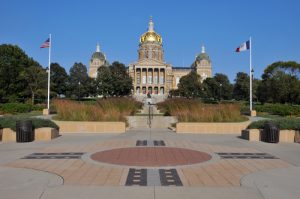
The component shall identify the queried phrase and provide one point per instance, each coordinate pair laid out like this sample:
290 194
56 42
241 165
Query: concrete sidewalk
72 178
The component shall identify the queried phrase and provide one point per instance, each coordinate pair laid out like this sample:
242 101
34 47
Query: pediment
149 62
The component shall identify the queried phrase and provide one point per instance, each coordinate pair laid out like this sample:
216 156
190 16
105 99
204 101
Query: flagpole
250 75
49 70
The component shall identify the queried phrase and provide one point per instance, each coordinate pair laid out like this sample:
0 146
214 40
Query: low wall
44 134
40 134
211 128
257 135
90 127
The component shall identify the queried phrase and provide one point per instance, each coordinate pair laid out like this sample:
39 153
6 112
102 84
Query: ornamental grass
193 110
111 109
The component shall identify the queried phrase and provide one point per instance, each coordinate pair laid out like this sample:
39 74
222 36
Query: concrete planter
287 136
41 134
45 134
90 127
252 134
211 127
8 135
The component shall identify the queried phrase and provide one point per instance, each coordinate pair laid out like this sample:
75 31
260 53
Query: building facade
151 74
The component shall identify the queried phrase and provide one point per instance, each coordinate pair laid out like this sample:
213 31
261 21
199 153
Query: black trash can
25 131
271 132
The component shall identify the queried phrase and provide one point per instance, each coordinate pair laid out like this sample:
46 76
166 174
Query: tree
241 86
79 81
13 62
36 78
104 81
211 88
59 79
280 83
190 85
113 80
224 85
121 81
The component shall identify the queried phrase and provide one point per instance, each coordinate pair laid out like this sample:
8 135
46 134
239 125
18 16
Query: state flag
244 46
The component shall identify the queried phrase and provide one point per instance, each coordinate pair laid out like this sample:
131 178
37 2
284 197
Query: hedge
13 108
282 123
10 122
279 109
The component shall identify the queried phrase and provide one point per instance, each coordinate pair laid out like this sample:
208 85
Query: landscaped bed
111 109
101 116
44 129
197 117
289 129
193 110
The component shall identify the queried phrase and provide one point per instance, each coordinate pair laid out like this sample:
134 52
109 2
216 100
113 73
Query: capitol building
151 73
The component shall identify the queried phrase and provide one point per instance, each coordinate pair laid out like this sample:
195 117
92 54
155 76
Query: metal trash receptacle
24 131
271 132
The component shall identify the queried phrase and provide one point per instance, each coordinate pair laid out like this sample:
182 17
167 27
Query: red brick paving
151 156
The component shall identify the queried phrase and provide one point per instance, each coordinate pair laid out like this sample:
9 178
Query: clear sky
220 25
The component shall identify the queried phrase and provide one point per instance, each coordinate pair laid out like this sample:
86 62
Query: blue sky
77 26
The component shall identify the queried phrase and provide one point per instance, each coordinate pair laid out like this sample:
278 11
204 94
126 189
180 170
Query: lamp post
79 91
220 91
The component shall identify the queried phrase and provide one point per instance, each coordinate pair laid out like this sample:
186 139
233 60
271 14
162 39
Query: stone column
158 76
146 80
135 81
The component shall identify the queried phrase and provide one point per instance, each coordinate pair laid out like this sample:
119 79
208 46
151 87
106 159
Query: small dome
151 35
203 56
98 55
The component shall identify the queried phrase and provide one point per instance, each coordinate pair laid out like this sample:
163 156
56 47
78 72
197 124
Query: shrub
193 110
282 123
279 109
13 108
112 109
10 122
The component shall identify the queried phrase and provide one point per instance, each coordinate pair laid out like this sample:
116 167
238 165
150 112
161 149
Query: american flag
46 44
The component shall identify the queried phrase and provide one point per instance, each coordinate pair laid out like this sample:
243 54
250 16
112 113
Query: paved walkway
152 164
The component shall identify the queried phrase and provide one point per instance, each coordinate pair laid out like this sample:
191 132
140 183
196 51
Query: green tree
280 83
79 84
59 79
190 85
36 78
104 81
113 80
13 62
121 81
241 86
225 88
211 88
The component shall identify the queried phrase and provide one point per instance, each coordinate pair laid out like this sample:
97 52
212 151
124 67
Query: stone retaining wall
40 134
211 128
90 127
258 134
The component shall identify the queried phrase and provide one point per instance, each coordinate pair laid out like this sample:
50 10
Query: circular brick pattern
151 156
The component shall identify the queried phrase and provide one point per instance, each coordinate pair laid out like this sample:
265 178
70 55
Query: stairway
158 121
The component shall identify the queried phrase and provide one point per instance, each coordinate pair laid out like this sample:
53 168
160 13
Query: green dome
203 56
98 55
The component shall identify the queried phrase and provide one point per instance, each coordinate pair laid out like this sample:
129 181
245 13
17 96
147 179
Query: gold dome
151 35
